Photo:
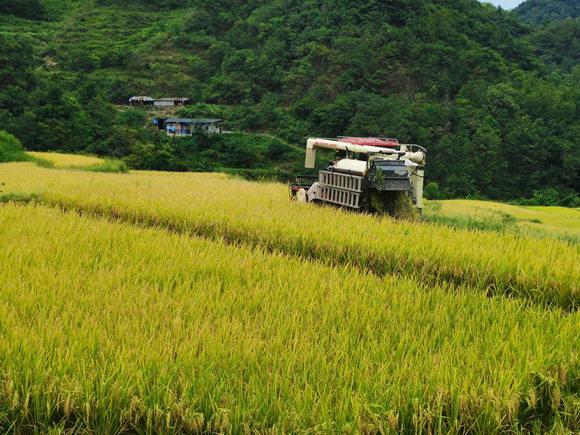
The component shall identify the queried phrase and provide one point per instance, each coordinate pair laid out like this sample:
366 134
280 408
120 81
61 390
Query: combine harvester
387 177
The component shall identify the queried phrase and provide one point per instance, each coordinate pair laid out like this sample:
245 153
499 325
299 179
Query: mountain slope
457 76
537 11
559 44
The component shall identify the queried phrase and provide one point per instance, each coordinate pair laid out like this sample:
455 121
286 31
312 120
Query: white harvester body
385 166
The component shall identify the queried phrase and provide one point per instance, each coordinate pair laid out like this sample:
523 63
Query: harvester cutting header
384 173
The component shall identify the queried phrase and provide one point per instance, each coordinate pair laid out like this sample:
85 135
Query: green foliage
11 149
132 118
539 11
81 60
18 197
432 192
31 9
549 197
250 156
148 4
259 174
17 62
110 165
559 44
483 92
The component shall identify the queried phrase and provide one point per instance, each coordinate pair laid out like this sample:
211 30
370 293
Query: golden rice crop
67 160
542 271
531 220
109 328
559 211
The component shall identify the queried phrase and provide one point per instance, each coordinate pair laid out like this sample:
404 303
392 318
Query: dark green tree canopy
538 11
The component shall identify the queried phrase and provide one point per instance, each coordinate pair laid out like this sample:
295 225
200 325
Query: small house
171 102
186 126
142 101
159 102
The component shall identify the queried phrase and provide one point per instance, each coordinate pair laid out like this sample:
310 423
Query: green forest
547 11
493 96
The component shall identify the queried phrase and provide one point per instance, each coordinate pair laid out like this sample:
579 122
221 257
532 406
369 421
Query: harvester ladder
341 189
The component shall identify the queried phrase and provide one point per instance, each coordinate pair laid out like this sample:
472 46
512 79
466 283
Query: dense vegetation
538 11
559 45
493 100
11 149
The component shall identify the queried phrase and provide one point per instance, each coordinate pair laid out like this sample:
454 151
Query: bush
121 95
259 174
432 192
277 150
549 197
11 149
132 118
115 166
30 9
81 60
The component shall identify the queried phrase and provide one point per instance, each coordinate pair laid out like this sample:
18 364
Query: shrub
11 149
432 192
132 118
81 60
549 197
115 166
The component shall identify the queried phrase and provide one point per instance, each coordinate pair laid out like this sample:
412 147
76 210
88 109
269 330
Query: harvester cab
385 175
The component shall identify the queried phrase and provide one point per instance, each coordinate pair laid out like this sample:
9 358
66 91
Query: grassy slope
536 221
153 61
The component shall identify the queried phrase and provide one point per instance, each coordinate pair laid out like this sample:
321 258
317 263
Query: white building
186 126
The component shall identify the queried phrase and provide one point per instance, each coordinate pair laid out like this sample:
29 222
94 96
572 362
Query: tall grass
107 328
543 272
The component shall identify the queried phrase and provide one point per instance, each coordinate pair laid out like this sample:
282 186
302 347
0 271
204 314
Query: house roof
206 121
189 121
172 99
141 99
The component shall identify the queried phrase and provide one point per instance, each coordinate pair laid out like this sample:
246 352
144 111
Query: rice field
540 271
170 303
109 328
531 221
67 160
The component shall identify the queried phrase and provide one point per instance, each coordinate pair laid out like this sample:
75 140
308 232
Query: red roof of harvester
371 141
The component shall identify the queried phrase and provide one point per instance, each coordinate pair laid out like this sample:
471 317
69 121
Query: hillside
538 11
559 44
459 77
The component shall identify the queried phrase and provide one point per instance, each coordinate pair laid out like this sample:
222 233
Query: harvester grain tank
385 171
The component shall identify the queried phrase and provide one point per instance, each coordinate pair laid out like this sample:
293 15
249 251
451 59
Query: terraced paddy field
556 222
196 303
67 160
